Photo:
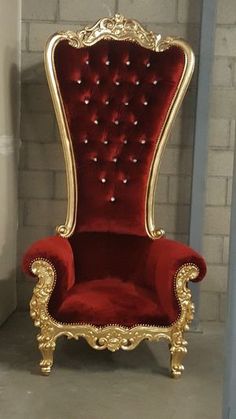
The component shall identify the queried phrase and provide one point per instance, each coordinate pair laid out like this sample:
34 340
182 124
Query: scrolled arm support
172 265
51 261
46 274
58 252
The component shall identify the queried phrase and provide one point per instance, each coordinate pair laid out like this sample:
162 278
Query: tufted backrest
116 97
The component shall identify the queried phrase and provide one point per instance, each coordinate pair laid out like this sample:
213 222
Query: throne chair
110 275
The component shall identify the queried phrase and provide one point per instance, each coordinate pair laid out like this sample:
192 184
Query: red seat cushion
109 301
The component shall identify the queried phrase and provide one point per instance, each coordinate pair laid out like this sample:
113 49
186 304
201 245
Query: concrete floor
87 384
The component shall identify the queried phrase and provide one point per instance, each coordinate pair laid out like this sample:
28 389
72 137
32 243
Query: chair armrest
164 260
167 256
57 251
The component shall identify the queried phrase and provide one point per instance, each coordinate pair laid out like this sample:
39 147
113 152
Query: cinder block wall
220 163
42 191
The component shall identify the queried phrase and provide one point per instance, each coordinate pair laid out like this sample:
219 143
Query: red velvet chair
109 275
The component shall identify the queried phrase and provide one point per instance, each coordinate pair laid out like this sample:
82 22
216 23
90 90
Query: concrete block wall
42 190
220 164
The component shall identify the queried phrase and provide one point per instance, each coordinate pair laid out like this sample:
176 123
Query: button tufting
85 141
155 82
87 62
103 180
137 82
95 121
107 62
126 103
95 159
107 102
117 82
135 122
114 159
134 160
125 180
127 62
79 81
125 141
112 199
145 103
98 82
105 142
116 122
148 64
143 141
86 101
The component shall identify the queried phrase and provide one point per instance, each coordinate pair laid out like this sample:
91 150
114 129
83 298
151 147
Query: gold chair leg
47 346
177 352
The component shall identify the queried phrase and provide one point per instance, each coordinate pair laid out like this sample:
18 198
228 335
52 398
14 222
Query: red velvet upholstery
116 97
115 125
120 279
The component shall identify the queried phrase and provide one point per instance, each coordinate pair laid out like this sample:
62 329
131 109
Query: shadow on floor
18 335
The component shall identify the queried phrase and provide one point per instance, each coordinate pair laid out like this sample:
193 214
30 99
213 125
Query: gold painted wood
111 337
121 29
117 28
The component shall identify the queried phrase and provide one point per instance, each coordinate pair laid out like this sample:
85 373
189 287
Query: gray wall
9 134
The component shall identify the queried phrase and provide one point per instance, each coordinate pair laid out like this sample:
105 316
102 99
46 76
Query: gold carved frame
112 337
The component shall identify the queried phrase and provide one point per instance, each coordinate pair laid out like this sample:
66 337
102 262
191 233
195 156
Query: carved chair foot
46 346
45 367
177 353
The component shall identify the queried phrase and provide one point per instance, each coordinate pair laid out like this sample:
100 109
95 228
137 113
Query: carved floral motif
117 28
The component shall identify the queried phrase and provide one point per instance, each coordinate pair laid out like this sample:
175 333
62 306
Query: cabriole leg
177 352
47 346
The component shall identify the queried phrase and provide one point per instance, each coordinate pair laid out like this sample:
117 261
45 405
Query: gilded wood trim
151 229
117 28
111 337
68 227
